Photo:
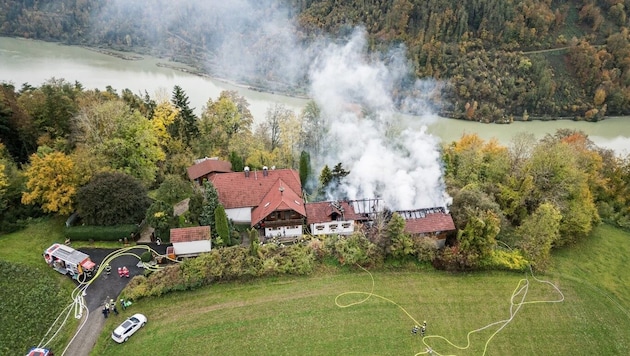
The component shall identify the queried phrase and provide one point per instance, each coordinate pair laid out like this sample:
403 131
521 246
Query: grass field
299 316
31 294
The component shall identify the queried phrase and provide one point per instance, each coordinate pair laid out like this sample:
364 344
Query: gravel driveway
102 289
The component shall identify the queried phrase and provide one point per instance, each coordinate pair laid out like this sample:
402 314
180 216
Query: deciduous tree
51 182
113 198
160 216
538 233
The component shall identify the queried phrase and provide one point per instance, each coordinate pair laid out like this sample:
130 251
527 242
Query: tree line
64 148
99 153
487 53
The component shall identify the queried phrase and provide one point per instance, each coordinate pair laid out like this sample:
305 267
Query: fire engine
66 260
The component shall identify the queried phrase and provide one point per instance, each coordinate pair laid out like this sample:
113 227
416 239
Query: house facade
331 217
268 200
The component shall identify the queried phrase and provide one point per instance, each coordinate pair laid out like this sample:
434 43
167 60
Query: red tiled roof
320 212
431 222
188 234
279 198
237 191
207 166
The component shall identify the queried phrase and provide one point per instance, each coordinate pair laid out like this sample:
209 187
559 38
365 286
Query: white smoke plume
390 156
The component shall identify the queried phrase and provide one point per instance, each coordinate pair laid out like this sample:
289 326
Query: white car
128 327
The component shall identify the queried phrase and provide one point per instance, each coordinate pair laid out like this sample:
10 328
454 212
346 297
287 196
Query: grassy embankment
31 294
298 316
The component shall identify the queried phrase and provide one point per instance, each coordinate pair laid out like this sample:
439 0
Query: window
319 227
333 226
345 225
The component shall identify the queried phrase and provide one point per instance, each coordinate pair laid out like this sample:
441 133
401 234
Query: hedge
100 233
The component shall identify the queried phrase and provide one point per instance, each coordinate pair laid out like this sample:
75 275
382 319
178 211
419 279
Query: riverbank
117 54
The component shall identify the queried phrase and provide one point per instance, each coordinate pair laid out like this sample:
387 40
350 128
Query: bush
146 256
506 260
425 249
353 249
100 233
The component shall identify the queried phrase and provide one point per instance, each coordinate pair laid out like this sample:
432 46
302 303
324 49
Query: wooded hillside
499 60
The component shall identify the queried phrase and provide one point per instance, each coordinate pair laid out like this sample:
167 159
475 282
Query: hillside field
299 316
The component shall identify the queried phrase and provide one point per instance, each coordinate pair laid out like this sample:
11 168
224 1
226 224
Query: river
33 62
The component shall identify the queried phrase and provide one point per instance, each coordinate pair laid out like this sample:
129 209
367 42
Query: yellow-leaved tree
51 182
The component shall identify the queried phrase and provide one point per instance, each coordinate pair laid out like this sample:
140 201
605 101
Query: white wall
342 227
191 247
240 215
283 231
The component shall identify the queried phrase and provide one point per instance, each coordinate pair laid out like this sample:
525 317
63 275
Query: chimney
246 170
265 171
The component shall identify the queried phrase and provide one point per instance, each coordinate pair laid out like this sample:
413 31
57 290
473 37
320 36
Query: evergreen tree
236 161
305 167
195 206
338 173
185 125
222 226
254 242
211 201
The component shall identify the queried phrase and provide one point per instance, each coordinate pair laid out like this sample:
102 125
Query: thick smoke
251 42
389 155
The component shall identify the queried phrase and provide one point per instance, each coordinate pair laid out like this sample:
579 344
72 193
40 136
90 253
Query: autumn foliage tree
51 182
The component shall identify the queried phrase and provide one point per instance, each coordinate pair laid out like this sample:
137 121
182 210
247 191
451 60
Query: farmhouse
205 168
432 223
332 217
269 200
189 241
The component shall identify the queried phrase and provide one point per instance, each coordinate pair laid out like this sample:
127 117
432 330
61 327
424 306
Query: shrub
146 256
506 260
425 249
100 233
352 249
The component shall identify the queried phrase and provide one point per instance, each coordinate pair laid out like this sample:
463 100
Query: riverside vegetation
499 60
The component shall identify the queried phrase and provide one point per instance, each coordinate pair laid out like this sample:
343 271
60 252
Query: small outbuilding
189 241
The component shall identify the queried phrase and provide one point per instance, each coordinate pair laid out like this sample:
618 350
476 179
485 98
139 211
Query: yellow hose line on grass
519 292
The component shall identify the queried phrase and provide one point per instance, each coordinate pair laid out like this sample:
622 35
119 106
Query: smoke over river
389 155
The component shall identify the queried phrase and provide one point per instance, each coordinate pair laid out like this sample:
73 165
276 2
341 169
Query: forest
118 158
494 60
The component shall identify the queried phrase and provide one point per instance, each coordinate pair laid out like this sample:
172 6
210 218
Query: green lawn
27 246
31 293
298 316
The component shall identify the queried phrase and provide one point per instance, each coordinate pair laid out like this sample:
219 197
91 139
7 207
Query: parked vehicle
66 260
128 328
38 351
